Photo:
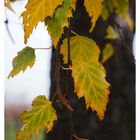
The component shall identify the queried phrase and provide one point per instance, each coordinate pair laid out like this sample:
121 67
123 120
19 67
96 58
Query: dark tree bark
119 121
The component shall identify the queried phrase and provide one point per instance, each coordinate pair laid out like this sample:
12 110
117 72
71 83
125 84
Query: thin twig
8 31
119 28
74 33
78 138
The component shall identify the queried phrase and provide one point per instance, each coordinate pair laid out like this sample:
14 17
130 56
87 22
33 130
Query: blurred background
119 122
23 88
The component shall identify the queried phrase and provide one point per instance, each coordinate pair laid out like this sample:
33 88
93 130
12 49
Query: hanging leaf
41 115
107 52
94 9
7 4
111 33
105 13
56 23
121 7
37 10
25 58
88 73
129 22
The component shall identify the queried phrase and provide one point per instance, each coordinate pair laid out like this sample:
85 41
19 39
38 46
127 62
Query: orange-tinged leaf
7 4
24 59
41 115
56 24
37 10
94 9
88 73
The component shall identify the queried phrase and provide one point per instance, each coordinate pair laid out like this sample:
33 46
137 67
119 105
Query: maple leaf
111 33
41 115
107 52
94 9
88 73
25 58
56 23
37 10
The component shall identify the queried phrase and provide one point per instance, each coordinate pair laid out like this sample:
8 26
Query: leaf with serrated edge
37 10
41 115
56 23
94 9
107 52
88 73
111 33
25 58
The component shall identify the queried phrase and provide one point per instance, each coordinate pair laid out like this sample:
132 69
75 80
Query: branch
119 28
58 93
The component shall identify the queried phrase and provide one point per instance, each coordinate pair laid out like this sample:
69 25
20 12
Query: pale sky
26 86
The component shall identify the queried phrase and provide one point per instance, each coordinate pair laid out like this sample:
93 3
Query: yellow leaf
24 59
105 13
107 52
37 10
121 7
56 23
41 115
129 22
94 9
88 73
7 4
111 33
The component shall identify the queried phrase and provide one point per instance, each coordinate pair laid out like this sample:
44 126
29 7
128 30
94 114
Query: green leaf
94 9
37 10
88 73
111 33
56 23
41 115
107 52
25 58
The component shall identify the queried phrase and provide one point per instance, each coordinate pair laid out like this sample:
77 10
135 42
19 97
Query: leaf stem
43 48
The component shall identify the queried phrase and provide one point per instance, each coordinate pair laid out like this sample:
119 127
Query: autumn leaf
37 10
7 4
129 22
121 7
107 52
25 58
56 23
111 33
105 13
88 73
41 115
94 9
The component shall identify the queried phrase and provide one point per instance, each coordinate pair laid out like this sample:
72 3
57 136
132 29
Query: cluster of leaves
87 71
